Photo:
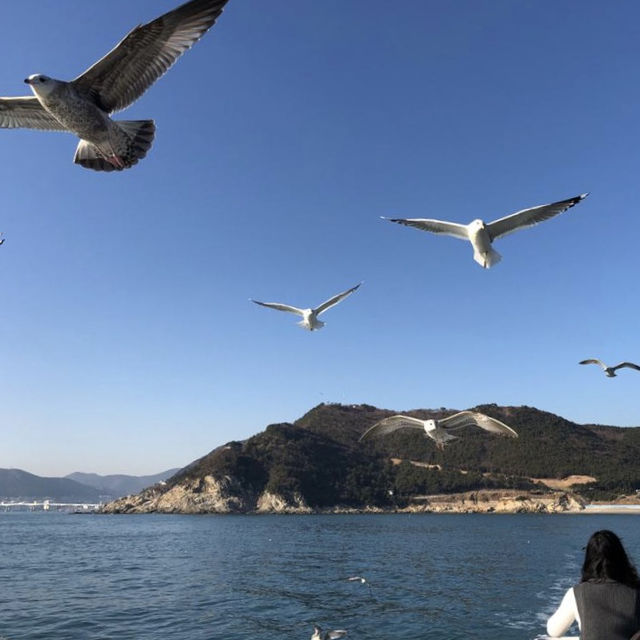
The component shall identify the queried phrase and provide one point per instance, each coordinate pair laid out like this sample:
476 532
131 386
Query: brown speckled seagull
83 106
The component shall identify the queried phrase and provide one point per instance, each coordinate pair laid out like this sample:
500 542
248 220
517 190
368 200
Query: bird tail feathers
318 324
141 134
89 157
487 259
138 138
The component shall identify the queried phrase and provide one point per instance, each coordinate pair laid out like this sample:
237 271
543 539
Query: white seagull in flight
84 105
482 234
309 316
610 372
440 430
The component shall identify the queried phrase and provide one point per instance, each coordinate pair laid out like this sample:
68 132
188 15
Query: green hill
319 458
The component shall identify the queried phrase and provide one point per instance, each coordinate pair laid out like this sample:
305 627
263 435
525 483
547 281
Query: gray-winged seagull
482 234
319 634
610 372
441 430
310 316
83 106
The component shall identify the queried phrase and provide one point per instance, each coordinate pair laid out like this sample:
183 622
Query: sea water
81 577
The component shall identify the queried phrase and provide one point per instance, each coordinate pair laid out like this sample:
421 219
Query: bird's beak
26 80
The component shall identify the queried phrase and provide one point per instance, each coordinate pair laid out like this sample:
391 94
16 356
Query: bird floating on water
310 316
84 105
319 634
440 430
481 234
610 372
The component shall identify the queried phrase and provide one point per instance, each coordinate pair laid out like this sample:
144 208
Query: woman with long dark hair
606 602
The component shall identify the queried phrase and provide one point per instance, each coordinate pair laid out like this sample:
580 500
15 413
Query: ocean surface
493 577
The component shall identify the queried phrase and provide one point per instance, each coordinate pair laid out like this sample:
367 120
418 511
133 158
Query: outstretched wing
391 424
474 419
458 421
434 226
494 426
327 304
629 365
146 53
594 361
26 112
529 217
280 307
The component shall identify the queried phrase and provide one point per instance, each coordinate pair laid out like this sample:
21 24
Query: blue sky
128 341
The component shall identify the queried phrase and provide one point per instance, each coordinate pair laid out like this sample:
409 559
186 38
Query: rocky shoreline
209 495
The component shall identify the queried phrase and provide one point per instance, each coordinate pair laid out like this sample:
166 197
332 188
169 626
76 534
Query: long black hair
606 559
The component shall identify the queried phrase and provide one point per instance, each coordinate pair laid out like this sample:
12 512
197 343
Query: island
318 465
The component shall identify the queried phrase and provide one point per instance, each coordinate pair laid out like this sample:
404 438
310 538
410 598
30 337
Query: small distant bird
319 634
1 238
482 234
361 580
441 430
83 106
309 316
610 372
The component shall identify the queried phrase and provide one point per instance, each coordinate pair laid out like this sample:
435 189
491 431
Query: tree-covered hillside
320 458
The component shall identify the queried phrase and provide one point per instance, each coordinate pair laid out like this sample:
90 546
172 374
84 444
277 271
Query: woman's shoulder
603 584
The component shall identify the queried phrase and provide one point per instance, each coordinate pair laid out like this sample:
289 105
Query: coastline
228 495
614 509
219 497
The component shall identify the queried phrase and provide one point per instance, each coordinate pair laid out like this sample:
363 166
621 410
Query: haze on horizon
129 344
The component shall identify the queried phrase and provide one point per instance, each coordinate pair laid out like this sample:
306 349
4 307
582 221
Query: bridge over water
47 505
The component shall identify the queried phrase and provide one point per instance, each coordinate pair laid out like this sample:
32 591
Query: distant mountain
317 463
76 487
119 485
15 483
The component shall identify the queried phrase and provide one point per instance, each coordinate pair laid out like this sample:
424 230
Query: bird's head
477 224
41 84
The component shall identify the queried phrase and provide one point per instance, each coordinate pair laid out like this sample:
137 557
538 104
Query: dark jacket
608 610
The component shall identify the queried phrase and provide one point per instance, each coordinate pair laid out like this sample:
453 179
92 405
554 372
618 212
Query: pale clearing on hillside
564 483
553 483
415 463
